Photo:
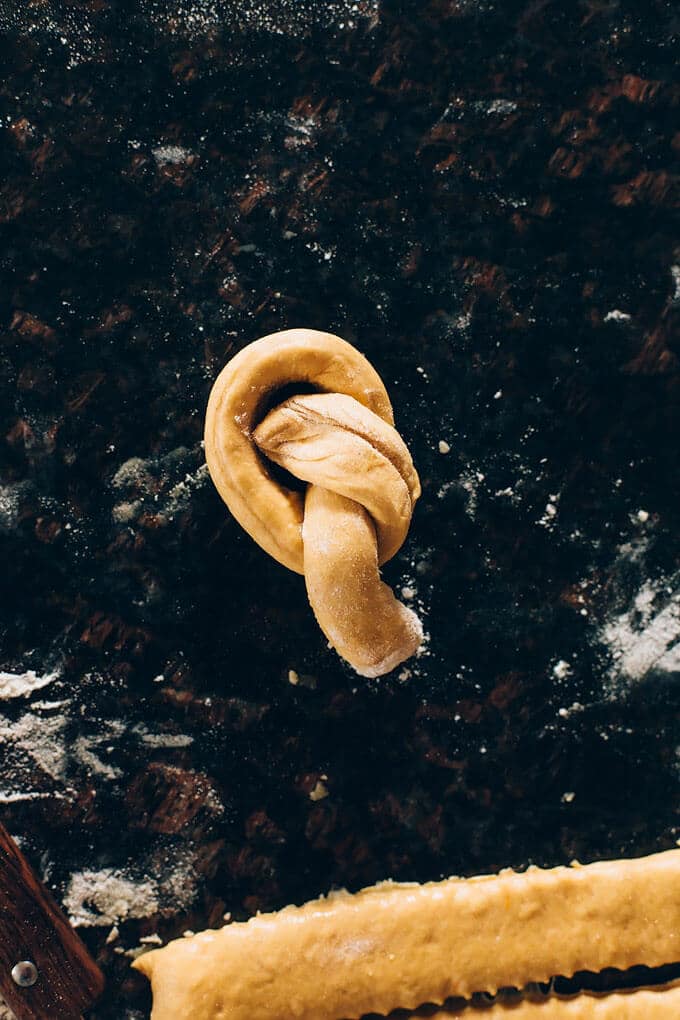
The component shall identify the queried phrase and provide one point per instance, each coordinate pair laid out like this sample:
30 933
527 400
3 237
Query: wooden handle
33 928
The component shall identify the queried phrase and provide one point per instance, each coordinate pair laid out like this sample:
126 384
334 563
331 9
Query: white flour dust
152 484
48 744
20 685
10 504
101 898
275 17
646 636
74 32
168 154
33 741
83 36
155 885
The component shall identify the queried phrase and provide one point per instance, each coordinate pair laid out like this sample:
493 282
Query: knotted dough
361 483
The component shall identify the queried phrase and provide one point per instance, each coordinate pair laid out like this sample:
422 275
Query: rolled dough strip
401 945
659 1003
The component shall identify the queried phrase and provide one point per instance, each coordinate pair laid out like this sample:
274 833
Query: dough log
400 945
659 1003
361 483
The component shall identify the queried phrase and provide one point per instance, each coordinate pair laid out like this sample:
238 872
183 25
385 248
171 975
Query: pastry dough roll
658 1003
402 945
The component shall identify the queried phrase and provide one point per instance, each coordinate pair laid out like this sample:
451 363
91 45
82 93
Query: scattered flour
470 482
82 750
20 685
495 107
675 274
302 130
101 898
36 740
647 635
168 154
10 504
7 797
155 885
617 316
549 517
83 37
286 18
41 753
151 483
72 30
565 713
162 739
180 494
133 471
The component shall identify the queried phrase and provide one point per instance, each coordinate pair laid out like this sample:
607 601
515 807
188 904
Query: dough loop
361 483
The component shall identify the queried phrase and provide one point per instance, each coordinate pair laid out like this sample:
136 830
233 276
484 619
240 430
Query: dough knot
354 511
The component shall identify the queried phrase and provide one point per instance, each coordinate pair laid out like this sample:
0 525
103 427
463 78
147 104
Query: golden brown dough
660 1003
361 491
396 945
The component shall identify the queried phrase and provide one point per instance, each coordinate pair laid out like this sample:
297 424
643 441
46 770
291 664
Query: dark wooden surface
480 195
32 927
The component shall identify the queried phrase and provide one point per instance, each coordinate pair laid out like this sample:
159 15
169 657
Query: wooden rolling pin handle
46 973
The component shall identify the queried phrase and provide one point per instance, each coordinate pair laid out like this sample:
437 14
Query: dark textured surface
467 191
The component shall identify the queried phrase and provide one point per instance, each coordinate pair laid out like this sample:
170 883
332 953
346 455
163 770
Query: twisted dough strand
361 491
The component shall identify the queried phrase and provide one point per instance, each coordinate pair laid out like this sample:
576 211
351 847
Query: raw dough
660 1003
361 490
402 945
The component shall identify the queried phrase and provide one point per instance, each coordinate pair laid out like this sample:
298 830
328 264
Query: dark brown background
467 191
